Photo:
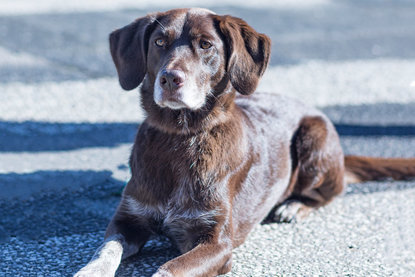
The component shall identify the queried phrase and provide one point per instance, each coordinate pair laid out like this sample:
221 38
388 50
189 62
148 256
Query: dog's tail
361 169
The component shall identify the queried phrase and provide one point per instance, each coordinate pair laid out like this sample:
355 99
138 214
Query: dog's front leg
115 247
106 259
206 259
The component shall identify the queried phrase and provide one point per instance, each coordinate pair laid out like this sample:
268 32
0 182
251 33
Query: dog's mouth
178 99
173 103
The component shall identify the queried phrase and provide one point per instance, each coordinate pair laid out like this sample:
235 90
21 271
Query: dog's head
186 53
187 57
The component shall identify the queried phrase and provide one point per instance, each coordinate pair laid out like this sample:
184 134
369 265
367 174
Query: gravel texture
66 129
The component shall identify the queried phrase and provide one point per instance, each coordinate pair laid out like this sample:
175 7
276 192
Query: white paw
93 271
291 211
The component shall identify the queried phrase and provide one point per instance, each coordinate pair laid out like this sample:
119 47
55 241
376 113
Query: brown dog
207 164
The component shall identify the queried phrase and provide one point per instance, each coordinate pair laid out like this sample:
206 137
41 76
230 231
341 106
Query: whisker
216 98
161 25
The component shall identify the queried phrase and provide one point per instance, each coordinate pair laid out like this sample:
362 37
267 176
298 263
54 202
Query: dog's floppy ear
128 47
248 52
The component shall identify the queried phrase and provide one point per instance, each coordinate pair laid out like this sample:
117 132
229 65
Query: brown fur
205 176
361 169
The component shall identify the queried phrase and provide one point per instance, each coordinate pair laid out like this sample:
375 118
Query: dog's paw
291 211
92 271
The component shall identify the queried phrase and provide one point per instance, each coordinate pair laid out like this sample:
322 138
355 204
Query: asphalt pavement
66 130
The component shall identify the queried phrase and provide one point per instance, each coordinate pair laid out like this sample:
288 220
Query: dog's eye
205 44
160 42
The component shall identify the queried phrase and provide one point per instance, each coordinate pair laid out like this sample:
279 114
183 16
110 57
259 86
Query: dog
212 159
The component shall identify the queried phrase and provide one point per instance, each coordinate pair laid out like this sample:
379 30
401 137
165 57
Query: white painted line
315 83
95 101
94 158
323 84
21 59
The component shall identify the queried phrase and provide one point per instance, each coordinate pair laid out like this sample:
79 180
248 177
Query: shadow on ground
61 209
364 130
31 136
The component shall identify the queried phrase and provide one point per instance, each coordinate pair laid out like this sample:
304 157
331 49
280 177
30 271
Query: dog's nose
172 79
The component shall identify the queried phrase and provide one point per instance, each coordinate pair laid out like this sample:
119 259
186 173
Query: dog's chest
182 222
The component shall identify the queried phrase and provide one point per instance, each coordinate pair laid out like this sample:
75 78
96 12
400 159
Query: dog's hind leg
318 170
